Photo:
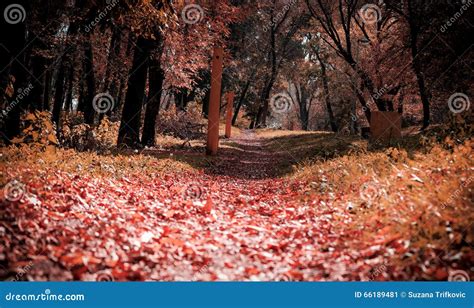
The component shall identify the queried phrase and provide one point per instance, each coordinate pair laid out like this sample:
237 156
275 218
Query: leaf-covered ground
271 206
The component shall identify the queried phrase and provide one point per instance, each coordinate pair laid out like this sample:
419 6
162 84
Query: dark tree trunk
110 84
241 101
12 62
70 89
35 98
46 89
114 52
157 78
89 112
364 105
129 132
327 98
81 101
416 63
302 101
205 103
265 102
59 96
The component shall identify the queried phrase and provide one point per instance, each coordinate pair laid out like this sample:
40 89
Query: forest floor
273 205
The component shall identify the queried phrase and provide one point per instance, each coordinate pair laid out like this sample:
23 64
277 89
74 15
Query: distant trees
92 59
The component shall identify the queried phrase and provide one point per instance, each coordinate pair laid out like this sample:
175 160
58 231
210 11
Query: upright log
385 126
228 119
214 102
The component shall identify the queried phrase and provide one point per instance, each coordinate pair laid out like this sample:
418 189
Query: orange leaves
172 241
208 206
135 224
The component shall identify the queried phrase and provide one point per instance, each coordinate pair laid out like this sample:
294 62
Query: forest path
248 156
238 219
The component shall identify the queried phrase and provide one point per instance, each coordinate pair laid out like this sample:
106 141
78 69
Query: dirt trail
249 157
235 221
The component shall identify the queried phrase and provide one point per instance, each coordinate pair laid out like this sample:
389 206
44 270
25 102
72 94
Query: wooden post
385 126
228 119
214 102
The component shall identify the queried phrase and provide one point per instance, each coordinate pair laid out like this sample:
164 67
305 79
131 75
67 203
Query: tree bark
416 65
241 101
327 99
46 89
12 64
59 96
157 78
129 132
70 85
89 112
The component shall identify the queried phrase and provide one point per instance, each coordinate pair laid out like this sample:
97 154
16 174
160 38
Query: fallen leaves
237 222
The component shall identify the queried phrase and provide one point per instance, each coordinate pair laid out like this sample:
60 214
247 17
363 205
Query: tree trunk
264 103
70 88
205 103
46 89
89 112
59 96
114 52
416 64
241 101
81 101
129 132
157 78
12 62
110 84
327 99
35 98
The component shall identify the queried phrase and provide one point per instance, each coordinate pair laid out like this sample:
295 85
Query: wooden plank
385 126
